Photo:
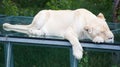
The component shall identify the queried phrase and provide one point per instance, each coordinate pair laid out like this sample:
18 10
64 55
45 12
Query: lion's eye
102 31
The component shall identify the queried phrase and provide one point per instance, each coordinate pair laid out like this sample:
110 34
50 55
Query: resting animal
72 25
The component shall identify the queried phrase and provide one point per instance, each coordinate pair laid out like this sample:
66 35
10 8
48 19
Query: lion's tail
16 28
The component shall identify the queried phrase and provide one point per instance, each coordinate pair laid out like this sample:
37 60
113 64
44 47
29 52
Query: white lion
72 25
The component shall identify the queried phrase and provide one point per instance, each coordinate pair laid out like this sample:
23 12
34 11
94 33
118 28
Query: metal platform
52 42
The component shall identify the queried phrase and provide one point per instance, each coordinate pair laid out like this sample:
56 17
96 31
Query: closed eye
110 38
103 32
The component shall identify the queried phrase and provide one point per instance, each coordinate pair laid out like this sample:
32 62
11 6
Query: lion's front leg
76 46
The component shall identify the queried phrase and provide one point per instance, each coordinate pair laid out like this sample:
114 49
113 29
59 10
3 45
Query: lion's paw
98 40
77 52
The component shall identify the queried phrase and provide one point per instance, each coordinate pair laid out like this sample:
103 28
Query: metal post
116 58
8 55
73 60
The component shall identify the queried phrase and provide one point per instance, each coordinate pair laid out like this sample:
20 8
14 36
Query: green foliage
84 62
26 12
100 59
31 3
95 6
114 66
31 7
104 6
10 8
59 4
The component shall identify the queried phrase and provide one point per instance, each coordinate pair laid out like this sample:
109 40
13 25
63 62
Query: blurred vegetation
31 7
9 7
53 57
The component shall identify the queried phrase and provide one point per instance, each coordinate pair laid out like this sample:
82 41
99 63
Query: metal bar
73 60
37 41
101 46
12 57
8 55
61 43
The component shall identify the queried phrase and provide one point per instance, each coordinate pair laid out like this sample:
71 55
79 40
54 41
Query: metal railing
59 43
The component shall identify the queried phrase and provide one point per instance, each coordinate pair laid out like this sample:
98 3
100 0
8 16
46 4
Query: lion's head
99 31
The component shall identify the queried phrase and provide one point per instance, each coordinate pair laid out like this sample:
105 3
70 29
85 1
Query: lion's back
58 21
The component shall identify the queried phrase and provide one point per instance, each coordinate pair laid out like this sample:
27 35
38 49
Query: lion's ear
88 29
100 15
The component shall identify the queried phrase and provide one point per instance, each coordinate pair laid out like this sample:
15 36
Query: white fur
69 24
